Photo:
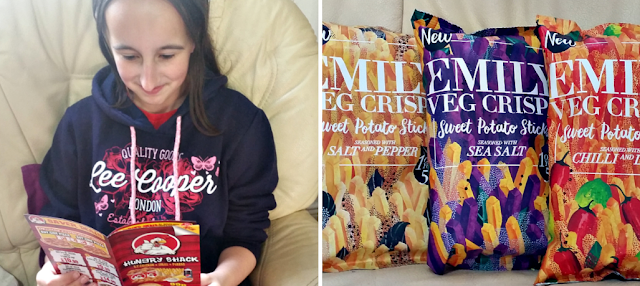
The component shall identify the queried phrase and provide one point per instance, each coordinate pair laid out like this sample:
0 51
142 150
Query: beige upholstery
419 275
471 16
382 13
275 65
49 54
7 279
292 243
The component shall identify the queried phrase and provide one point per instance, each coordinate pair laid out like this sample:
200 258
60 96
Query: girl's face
151 48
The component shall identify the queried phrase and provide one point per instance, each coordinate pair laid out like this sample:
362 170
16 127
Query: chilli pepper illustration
616 196
614 192
615 265
630 207
583 222
560 172
567 261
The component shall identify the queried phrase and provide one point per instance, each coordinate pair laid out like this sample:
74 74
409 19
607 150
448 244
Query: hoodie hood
103 91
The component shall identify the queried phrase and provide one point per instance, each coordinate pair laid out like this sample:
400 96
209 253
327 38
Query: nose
148 76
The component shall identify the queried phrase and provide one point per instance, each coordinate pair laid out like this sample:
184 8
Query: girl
160 113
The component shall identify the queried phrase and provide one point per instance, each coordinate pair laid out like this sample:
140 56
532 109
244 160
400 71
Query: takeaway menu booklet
158 253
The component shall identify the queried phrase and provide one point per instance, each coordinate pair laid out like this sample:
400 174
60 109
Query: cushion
487 105
593 138
36 198
297 236
275 67
7 279
380 13
372 121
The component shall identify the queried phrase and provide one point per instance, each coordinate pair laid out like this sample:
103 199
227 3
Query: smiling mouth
153 91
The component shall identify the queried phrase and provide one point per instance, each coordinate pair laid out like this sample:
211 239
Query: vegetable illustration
583 222
468 220
567 261
376 181
614 192
630 207
596 190
328 208
616 196
455 229
555 198
459 255
613 30
593 256
436 250
395 235
560 172
342 253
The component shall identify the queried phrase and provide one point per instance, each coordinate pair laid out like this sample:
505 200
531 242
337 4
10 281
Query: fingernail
76 275
84 279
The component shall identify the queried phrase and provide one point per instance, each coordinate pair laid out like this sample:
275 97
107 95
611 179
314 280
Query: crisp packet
486 110
594 146
373 128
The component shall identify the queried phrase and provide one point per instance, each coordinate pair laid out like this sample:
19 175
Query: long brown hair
195 15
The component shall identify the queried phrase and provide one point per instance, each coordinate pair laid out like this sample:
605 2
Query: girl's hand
208 279
47 277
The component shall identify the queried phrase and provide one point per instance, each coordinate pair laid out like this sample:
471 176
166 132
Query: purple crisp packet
486 97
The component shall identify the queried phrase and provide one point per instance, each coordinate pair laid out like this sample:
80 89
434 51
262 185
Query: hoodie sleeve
59 173
253 176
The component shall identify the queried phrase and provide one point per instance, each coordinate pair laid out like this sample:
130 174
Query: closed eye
129 57
166 57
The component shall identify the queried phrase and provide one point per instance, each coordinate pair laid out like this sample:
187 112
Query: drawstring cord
132 168
175 192
176 145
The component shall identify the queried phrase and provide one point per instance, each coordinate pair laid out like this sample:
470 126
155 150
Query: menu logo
36 219
433 40
326 34
557 42
155 243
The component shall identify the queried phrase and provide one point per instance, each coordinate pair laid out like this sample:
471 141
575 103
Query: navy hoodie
226 181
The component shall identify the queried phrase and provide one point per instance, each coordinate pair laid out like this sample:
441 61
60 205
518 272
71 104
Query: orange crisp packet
594 151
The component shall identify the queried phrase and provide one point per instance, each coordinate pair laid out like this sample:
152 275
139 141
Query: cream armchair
48 55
